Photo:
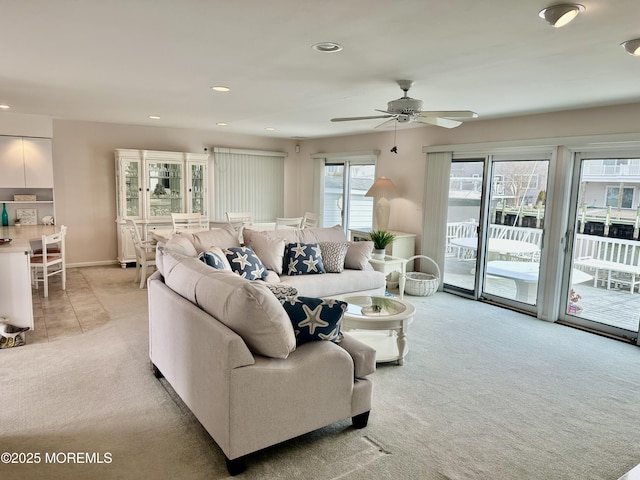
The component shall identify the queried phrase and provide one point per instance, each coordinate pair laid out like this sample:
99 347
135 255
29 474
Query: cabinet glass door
197 188
165 188
132 188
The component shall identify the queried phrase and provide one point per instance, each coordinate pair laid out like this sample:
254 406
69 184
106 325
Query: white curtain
247 181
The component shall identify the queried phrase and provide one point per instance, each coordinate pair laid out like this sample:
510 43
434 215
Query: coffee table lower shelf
385 343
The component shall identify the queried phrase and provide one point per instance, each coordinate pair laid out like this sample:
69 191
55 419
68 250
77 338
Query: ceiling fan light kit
559 15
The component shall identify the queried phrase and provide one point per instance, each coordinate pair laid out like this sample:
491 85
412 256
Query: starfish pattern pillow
315 319
216 258
245 262
303 259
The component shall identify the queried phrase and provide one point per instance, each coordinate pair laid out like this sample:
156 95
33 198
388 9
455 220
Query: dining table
31 233
505 248
525 276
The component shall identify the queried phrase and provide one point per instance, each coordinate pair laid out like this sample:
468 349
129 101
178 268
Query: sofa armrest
364 356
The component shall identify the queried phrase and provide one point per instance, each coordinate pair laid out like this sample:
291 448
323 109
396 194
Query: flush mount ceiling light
327 47
154 117
222 124
559 15
220 88
4 107
270 129
632 47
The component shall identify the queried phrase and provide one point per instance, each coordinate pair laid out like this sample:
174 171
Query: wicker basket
421 284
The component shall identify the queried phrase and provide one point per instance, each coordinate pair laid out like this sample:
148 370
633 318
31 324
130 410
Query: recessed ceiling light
5 107
220 88
559 15
632 47
270 129
154 117
222 124
327 47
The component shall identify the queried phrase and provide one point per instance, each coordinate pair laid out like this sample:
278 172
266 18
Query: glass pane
332 195
465 190
514 239
197 189
132 183
360 207
165 183
606 250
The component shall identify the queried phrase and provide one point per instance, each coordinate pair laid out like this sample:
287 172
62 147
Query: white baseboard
93 264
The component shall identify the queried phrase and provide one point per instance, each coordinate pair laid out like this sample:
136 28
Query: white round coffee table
366 315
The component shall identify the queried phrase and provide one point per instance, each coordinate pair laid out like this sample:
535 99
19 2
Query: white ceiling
122 60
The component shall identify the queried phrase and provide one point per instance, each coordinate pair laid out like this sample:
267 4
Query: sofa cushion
247 308
315 319
303 259
269 248
333 255
332 284
282 291
358 255
224 237
181 243
323 234
216 258
245 262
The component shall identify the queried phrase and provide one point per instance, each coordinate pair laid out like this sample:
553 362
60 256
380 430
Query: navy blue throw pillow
303 259
245 262
216 258
315 319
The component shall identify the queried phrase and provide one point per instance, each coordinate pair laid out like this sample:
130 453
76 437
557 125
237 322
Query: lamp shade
559 15
382 188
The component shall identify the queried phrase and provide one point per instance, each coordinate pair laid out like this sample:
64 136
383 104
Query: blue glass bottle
5 215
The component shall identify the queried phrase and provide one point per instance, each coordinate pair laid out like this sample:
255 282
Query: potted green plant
381 239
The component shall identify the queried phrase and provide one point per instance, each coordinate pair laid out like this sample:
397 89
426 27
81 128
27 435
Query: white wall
84 171
84 175
407 168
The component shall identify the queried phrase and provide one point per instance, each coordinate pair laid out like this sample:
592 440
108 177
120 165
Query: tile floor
73 311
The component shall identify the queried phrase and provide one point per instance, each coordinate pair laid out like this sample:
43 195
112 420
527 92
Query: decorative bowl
5 240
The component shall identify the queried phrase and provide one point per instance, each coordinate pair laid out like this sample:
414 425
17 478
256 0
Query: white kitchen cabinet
15 283
151 185
26 162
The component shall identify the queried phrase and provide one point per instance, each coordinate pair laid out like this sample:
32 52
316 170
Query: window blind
248 181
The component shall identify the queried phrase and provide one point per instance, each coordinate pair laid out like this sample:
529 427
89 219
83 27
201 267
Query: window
344 180
248 181
613 197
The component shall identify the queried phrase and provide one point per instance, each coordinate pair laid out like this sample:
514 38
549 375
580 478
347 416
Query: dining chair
295 222
145 253
245 217
188 222
50 261
310 220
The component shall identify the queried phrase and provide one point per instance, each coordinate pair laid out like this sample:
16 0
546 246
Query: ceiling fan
407 109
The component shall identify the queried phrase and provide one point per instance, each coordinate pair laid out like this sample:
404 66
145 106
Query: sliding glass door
515 228
463 214
603 292
495 228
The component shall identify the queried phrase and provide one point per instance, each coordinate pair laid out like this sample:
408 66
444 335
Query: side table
380 322
392 264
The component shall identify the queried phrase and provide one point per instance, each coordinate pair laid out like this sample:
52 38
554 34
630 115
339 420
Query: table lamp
382 189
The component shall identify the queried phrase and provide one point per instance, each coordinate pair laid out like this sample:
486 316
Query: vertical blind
247 181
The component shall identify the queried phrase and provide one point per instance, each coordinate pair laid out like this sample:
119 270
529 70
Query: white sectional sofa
228 348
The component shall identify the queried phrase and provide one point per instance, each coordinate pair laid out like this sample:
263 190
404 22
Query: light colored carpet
485 393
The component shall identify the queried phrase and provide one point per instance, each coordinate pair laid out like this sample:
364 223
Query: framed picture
27 216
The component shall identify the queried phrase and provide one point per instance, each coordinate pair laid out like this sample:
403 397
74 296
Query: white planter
378 254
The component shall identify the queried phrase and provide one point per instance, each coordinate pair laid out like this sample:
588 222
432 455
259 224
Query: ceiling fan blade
348 119
386 124
450 114
438 121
